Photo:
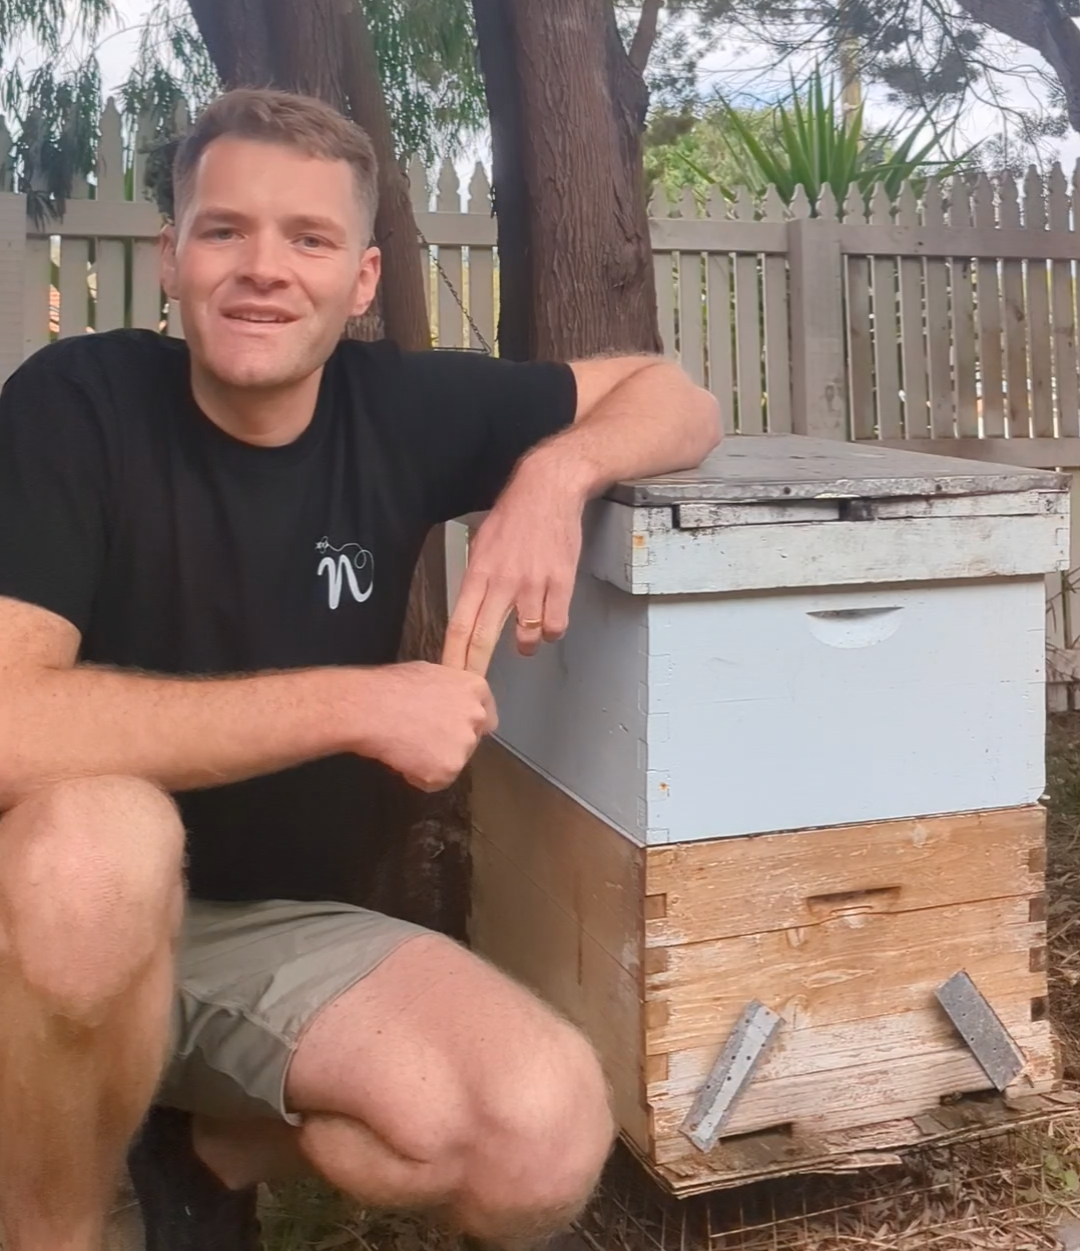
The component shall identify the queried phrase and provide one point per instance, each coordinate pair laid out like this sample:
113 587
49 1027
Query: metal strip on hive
979 1026
745 1046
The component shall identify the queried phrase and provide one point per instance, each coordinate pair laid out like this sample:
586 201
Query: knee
546 1133
90 887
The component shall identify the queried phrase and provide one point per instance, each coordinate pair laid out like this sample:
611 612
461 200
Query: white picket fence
943 322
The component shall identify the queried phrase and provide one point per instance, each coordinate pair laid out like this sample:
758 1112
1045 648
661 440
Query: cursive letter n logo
350 564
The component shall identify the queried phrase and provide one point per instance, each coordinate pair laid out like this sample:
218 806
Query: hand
431 721
524 557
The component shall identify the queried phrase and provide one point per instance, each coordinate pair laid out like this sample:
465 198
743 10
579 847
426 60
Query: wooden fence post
819 390
12 269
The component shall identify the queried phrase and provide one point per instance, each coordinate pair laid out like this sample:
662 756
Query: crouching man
206 550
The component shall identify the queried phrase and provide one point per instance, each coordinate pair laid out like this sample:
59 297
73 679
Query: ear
167 260
367 281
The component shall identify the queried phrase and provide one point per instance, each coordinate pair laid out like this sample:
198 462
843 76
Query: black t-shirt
177 549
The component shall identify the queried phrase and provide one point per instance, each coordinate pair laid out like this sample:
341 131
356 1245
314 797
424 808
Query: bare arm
59 720
636 416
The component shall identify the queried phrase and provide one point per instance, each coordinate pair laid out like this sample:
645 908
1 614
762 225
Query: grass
308 1216
1007 1193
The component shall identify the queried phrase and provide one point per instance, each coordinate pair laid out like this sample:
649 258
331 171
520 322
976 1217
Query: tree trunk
403 305
419 869
581 105
237 38
495 39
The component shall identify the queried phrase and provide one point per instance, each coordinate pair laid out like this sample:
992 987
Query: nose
264 261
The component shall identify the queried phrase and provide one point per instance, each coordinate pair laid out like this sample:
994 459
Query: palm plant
813 142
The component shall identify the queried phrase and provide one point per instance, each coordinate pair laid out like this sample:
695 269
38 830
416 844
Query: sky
735 66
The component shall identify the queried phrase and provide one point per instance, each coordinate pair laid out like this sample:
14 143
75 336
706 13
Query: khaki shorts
250 979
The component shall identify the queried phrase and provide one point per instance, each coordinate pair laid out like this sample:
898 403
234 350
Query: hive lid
758 468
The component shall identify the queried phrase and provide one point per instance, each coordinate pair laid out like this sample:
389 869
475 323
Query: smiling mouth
261 319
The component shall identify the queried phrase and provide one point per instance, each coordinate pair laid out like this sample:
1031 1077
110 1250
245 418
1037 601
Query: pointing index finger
462 623
488 627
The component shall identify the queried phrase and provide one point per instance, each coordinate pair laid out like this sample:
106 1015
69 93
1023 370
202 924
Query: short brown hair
295 121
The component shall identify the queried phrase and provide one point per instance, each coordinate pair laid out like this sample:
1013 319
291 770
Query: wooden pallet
845 932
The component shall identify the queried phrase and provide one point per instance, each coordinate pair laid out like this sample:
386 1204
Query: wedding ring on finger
531 623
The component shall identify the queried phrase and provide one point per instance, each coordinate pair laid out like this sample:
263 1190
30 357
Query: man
205 555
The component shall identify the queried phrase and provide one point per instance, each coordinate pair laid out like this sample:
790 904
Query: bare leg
438 1084
90 901
242 1153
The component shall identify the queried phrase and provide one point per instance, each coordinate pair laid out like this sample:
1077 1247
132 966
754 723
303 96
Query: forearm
656 421
180 733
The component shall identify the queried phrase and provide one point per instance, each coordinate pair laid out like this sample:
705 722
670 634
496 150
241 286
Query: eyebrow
299 223
322 225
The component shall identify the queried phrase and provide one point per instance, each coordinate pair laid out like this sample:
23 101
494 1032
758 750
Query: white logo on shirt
352 564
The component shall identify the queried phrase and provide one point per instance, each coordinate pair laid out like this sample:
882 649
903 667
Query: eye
312 243
219 234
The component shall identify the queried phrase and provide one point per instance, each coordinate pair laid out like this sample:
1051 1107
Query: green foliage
45 21
931 55
808 140
683 150
172 67
55 143
813 142
426 51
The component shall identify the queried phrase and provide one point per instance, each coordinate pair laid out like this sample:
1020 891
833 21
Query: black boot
184 1206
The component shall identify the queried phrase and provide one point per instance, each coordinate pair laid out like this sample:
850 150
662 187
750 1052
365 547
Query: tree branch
1043 26
645 35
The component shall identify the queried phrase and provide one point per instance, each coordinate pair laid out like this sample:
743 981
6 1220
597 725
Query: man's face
268 261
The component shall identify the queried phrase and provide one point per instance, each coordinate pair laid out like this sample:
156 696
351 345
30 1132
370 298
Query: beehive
790 751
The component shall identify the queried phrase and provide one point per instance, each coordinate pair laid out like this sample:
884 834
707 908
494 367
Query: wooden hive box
790 751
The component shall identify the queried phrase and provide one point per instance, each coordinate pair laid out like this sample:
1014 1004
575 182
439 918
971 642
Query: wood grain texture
913 330
814 1103
846 969
777 330
725 888
991 331
583 864
528 935
738 1161
794 467
860 349
1064 315
833 1048
74 275
721 366
1017 397
557 904
887 332
937 323
845 932
819 399
1038 324
646 561
748 331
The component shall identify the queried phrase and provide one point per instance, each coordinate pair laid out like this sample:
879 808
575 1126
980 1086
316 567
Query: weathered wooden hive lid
777 468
